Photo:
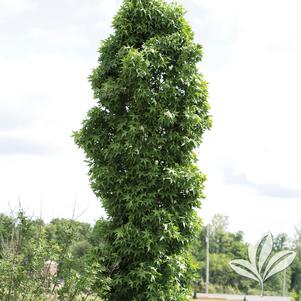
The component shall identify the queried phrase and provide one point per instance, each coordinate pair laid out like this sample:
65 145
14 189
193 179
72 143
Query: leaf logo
259 268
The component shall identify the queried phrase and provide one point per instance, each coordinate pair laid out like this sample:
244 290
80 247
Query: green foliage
296 296
139 139
27 245
6 229
224 246
6 226
22 261
296 274
63 230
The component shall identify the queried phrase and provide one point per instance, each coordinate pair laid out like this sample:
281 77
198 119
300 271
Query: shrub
23 256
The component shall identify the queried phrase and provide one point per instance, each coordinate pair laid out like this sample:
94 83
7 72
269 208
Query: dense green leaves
139 139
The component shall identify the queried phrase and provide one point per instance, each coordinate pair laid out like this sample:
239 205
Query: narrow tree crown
151 113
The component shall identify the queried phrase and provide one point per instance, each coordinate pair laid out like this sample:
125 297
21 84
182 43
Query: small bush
23 256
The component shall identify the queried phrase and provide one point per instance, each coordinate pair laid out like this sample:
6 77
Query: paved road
249 298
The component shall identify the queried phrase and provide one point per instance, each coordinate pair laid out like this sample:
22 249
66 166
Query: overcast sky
251 60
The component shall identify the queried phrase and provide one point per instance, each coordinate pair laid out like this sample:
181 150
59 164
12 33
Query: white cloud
62 95
11 8
256 104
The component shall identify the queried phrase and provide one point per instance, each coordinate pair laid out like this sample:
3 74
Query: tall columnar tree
139 139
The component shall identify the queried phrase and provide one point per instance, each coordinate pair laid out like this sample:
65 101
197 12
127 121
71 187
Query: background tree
223 247
7 224
296 266
139 139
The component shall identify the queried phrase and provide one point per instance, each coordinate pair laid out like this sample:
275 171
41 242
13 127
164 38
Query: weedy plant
261 265
23 255
22 261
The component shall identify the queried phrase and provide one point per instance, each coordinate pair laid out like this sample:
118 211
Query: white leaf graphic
251 269
282 263
252 253
265 250
238 266
274 259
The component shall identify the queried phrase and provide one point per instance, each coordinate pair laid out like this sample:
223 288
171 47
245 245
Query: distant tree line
26 244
